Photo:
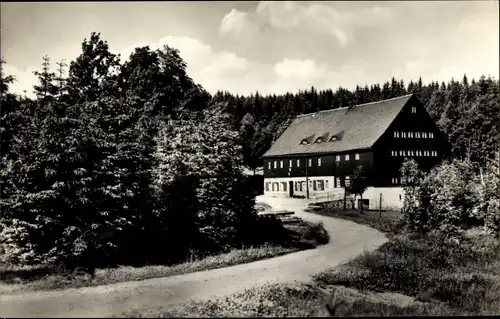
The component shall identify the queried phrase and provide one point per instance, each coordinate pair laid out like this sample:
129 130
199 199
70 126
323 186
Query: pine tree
46 87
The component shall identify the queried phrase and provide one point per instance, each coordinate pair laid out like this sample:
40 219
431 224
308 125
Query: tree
94 72
46 87
358 184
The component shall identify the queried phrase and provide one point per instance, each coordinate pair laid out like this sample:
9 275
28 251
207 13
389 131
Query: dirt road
347 240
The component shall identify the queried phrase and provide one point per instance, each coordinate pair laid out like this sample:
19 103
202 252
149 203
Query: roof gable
356 127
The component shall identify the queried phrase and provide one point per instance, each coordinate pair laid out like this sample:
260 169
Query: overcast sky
268 46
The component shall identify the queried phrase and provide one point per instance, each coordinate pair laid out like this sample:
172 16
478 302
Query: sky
269 47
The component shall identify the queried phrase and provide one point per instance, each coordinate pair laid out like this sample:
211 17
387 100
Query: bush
444 200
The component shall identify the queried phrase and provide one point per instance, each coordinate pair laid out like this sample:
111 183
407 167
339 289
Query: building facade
317 153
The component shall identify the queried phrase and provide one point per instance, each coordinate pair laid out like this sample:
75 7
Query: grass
273 300
408 276
448 278
387 221
306 235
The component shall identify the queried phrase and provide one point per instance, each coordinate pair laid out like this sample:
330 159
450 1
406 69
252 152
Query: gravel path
347 240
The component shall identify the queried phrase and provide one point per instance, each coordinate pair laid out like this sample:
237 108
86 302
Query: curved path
347 240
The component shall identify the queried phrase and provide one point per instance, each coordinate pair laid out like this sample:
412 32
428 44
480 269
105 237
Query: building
317 153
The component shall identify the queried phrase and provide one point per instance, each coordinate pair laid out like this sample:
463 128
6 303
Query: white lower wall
328 182
392 197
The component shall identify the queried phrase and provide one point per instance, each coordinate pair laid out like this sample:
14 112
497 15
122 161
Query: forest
113 156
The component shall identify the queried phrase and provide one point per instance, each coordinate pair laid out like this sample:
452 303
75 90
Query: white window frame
356 156
337 182
315 184
290 164
310 162
320 185
404 153
346 157
410 134
281 164
347 178
319 161
424 134
396 135
298 162
404 134
275 164
337 158
414 109
417 134
431 135
269 165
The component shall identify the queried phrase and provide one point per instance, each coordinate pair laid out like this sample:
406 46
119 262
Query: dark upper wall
388 165
329 165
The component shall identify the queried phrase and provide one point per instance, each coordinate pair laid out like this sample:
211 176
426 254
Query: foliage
358 184
448 199
429 268
489 205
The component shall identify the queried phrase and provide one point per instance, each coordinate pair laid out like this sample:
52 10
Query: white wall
392 197
327 180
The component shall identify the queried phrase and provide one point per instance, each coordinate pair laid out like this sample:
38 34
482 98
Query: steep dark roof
356 127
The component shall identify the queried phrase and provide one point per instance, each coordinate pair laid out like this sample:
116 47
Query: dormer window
304 142
319 140
334 139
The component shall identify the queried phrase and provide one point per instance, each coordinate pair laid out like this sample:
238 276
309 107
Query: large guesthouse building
317 153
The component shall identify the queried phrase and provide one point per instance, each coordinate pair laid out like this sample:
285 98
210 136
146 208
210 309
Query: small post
380 206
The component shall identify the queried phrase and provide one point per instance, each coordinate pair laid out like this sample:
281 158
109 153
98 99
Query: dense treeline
119 163
133 162
466 111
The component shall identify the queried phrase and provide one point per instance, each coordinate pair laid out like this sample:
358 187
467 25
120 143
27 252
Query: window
404 153
346 157
337 158
297 186
431 135
267 186
281 164
319 161
392 153
411 153
436 154
283 186
347 181
404 134
356 157
310 162
321 185
269 165
417 134
319 140
334 138
410 135
314 186
326 184
275 186
394 180
414 109
337 182
396 134
400 153
290 164
424 134
304 142
275 164
298 162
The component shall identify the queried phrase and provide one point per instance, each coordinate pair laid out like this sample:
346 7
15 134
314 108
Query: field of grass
408 276
386 221
17 279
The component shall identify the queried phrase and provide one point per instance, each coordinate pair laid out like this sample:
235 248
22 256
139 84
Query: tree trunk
361 204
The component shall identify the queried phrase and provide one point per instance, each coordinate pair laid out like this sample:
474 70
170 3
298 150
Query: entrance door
290 188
